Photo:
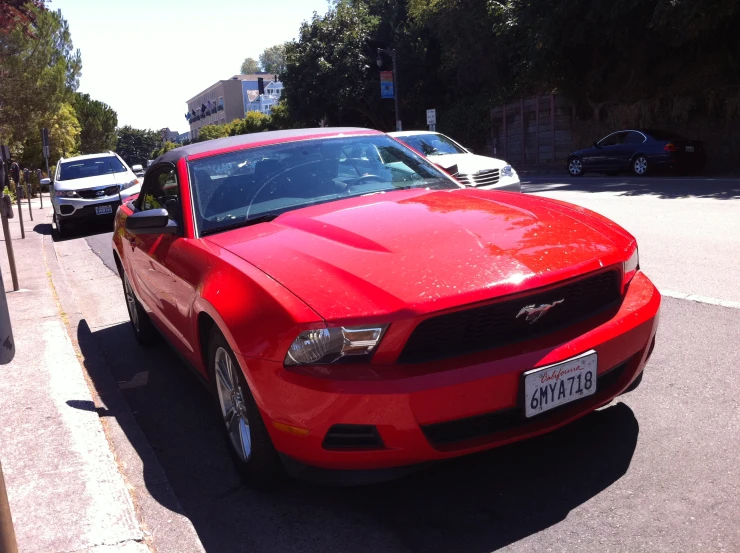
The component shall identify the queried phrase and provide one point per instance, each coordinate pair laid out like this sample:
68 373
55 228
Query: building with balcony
231 99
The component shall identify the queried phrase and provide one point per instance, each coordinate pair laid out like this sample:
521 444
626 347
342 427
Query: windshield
432 144
257 184
79 169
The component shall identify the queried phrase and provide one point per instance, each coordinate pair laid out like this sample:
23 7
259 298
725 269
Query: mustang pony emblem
535 312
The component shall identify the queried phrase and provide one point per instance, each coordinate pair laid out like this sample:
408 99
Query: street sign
431 117
45 137
386 84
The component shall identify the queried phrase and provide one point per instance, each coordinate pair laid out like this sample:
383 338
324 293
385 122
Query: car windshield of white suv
258 184
432 144
79 169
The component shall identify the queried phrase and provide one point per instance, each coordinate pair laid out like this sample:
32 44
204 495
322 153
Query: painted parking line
701 299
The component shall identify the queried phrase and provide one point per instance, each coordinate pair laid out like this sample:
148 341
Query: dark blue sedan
640 151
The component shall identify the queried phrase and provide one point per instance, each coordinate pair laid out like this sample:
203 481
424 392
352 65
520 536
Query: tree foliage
64 133
39 70
643 60
14 13
272 60
137 145
166 147
249 66
328 76
98 123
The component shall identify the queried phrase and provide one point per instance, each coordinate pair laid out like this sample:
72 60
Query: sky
145 58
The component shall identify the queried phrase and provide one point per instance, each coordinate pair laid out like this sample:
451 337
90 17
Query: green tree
272 60
209 132
64 132
249 66
330 72
98 122
39 70
166 147
280 117
137 145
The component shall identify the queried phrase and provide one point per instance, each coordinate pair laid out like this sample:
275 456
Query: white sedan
487 173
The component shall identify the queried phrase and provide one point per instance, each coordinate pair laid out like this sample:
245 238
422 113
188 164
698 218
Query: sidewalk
66 490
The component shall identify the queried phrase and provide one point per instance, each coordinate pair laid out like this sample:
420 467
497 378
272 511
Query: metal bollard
6 212
28 192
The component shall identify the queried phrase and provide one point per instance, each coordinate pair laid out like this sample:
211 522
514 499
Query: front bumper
77 209
435 415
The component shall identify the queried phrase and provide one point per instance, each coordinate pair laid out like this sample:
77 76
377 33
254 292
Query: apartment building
231 99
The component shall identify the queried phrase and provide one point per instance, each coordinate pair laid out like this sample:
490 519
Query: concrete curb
166 527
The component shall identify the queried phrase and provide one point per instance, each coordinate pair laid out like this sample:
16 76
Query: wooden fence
533 131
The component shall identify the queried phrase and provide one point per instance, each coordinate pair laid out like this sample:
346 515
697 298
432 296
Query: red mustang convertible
357 312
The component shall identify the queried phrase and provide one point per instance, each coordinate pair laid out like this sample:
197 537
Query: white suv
483 172
91 187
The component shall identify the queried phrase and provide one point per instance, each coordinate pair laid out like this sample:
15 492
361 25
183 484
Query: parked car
639 151
483 172
138 170
90 187
356 315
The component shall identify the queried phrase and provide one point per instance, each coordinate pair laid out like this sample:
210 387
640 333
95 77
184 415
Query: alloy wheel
640 165
233 407
575 167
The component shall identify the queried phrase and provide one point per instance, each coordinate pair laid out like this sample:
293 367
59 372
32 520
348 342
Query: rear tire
640 165
142 326
575 167
249 443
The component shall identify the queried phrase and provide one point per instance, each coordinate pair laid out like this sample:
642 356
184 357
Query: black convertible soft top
173 156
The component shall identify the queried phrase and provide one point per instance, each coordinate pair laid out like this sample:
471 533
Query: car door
625 151
602 156
150 254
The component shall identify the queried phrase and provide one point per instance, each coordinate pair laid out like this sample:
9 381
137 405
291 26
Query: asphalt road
657 471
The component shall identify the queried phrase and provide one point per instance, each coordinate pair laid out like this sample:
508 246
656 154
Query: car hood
412 252
467 163
94 182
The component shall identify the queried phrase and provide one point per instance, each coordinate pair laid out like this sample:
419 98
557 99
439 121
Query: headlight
328 345
507 171
129 184
66 194
630 266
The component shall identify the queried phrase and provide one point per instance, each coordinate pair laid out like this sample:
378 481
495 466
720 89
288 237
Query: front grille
500 323
450 432
95 193
352 436
481 178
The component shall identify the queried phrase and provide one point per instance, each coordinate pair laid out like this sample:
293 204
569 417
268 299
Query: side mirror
152 221
45 182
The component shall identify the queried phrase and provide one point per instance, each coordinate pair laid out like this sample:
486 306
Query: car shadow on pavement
662 188
73 232
475 504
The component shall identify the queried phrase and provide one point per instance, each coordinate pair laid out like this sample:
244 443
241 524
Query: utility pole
396 96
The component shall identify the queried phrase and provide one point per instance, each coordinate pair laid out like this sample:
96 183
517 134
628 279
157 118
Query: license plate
689 148
103 210
549 387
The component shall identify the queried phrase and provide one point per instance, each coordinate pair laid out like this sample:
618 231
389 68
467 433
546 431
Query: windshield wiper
264 218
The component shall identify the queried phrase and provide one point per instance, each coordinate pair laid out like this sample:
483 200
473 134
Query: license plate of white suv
555 385
103 210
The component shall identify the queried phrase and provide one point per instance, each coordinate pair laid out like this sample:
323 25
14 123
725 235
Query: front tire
143 328
61 227
249 442
575 167
640 165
